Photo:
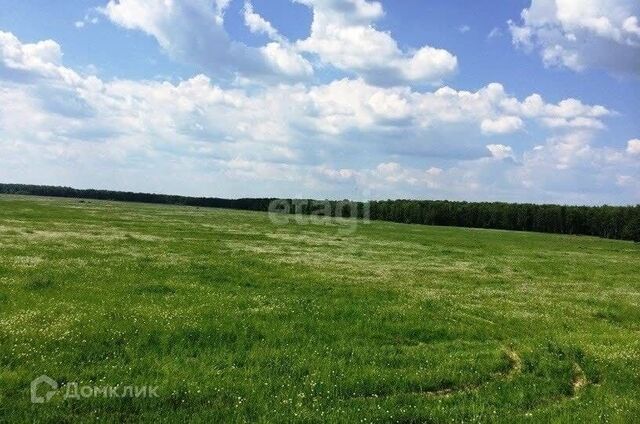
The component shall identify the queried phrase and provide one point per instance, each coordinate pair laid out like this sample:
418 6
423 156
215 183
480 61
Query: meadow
237 318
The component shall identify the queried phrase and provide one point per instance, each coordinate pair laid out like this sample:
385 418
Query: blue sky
528 100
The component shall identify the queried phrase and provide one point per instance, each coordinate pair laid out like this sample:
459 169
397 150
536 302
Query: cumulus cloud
348 104
193 31
501 125
42 56
285 60
580 35
343 34
336 108
500 151
42 59
72 128
633 147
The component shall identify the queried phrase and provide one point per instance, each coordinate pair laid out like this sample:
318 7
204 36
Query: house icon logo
50 384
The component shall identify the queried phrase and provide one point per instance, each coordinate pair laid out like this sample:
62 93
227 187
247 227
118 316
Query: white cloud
631 26
500 151
193 31
279 53
257 24
633 147
385 176
41 56
463 29
220 8
42 59
580 35
343 34
494 33
347 11
89 19
77 129
501 125
285 61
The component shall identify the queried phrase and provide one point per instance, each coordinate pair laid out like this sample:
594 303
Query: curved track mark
579 380
515 361
515 368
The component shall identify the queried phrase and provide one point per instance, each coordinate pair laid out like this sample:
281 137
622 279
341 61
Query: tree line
615 222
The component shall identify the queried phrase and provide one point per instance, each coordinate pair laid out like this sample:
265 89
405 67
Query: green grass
236 319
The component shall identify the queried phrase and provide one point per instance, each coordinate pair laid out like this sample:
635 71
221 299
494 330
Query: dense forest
616 222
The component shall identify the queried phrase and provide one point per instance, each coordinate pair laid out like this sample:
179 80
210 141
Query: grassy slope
238 319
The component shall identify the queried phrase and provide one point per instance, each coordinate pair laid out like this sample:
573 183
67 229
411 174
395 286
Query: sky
508 100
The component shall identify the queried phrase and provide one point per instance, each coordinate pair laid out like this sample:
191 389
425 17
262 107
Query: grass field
235 318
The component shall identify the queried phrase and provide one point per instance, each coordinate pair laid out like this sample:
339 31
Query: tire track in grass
515 361
580 380
515 368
